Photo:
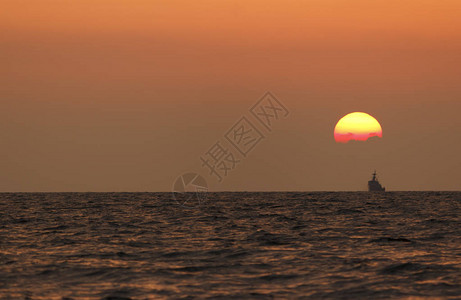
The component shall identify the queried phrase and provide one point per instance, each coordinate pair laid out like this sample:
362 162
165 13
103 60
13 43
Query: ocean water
344 245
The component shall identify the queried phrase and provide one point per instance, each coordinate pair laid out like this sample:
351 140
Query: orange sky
111 95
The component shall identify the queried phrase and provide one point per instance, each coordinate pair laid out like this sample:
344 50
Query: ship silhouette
374 185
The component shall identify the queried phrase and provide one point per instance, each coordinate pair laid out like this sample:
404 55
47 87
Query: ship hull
374 186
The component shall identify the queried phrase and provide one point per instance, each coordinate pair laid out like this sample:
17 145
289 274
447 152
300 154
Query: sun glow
357 126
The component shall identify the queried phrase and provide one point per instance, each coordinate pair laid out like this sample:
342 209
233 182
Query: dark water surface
235 245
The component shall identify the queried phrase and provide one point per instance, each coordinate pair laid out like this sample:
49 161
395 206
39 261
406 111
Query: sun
357 126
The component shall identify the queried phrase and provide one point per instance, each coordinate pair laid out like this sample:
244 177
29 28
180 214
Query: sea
242 245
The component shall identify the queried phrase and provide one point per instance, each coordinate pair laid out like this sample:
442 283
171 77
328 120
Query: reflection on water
236 245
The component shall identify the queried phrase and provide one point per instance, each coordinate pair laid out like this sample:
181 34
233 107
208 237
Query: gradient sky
126 95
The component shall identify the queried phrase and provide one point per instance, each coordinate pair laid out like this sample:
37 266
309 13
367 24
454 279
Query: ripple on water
235 246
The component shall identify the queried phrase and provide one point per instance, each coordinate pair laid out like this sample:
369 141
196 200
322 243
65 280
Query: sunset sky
126 95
